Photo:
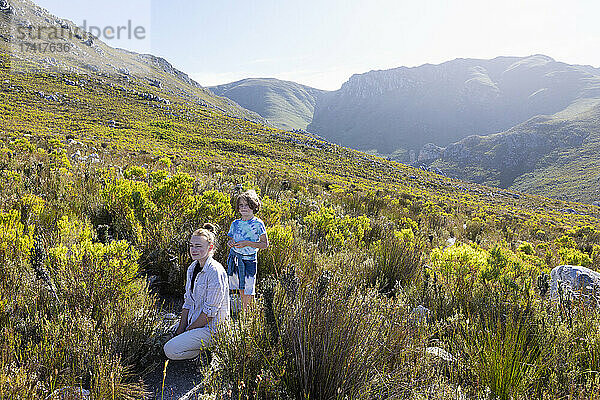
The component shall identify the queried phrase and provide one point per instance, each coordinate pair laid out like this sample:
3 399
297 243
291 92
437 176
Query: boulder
5 7
574 279
155 82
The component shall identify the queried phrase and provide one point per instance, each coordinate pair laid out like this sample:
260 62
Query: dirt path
181 378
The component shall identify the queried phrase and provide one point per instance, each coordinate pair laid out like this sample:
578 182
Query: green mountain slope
24 24
396 112
554 155
288 105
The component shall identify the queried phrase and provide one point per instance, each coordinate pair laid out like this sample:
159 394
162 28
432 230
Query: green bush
135 172
245 364
574 257
507 356
281 253
458 268
397 260
526 248
332 230
337 342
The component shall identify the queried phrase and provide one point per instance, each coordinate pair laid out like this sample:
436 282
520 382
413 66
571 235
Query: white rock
70 393
440 353
420 314
574 278
451 241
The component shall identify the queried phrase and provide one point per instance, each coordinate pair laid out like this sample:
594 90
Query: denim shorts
249 278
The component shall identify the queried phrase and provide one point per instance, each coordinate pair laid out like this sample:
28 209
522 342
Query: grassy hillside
552 155
288 105
100 164
25 25
102 183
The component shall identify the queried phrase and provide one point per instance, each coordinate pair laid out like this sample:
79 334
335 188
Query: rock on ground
574 278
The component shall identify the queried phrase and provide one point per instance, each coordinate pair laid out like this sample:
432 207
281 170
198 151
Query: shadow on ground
181 378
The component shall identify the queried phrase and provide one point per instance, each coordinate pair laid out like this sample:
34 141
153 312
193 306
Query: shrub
397 259
281 253
508 356
15 242
211 206
129 205
574 257
135 172
337 341
334 231
458 268
474 229
101 280
245 364
526 248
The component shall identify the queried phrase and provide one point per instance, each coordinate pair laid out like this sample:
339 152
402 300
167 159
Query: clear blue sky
322 43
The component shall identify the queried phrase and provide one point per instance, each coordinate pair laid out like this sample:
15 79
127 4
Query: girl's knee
172 350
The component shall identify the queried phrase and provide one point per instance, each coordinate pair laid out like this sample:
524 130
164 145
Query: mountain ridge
88 54
286 104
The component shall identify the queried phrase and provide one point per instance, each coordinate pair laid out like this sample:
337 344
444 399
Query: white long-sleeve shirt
210 295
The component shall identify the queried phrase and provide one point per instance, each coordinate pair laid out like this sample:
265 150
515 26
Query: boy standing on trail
246 236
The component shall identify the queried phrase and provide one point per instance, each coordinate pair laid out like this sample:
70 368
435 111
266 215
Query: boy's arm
230 242
263 243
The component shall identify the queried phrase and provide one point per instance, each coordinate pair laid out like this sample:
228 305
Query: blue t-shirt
247 230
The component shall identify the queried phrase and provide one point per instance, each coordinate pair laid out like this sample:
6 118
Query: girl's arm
200 322
182 322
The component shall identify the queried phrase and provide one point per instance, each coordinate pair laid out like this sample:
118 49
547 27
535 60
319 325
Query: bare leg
247 299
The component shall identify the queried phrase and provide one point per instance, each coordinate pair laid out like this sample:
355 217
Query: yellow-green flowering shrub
211 206
164 162
14 243
507 272
572 256
129 204
335 231
526 248
135 172
273 212
566 242
458 267
158 176
281 251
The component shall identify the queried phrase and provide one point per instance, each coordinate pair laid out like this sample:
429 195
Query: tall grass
245 363
397 259
507 353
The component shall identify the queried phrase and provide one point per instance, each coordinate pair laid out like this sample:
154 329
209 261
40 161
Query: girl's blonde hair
208 231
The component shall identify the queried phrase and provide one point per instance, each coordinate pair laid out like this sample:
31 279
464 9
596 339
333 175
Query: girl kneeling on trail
206 299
